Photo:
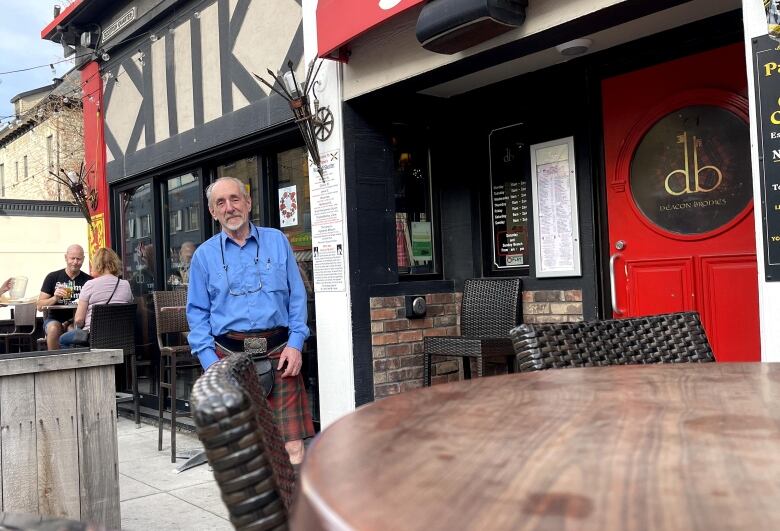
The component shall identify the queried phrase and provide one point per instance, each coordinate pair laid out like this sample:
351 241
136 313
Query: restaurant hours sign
509 197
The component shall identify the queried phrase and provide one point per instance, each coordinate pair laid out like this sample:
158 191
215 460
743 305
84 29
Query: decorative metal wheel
323 124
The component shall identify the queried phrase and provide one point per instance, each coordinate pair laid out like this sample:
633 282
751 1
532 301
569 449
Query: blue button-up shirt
266 290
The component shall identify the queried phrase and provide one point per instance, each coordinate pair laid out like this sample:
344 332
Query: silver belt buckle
256 347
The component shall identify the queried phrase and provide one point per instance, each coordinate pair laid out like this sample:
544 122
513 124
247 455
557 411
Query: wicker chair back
243 444
490 307
667 338
169 312
113 326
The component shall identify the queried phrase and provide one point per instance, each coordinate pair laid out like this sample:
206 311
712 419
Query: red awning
339 21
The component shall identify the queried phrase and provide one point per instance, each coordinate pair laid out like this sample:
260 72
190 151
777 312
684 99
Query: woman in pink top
105 287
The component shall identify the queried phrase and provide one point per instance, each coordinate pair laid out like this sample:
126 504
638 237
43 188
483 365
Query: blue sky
21 46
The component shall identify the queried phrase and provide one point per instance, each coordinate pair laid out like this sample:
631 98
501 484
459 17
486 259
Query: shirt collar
254 234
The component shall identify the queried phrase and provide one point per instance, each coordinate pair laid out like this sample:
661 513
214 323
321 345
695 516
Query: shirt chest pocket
274 277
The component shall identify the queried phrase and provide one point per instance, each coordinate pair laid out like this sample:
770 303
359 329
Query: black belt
235 340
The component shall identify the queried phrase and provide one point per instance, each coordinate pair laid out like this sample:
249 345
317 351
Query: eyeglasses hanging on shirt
257 262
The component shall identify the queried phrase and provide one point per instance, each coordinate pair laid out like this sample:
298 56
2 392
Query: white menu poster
326 226
554 190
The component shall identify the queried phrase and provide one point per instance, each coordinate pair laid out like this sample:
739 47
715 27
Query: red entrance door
679 196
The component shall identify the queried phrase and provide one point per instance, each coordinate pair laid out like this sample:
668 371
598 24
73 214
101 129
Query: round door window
690 173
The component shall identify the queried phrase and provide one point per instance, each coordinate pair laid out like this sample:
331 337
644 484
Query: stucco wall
35 246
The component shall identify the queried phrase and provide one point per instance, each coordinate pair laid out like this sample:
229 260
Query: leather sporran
256 348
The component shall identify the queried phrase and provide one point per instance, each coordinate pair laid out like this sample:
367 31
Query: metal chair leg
160 403
480 364
427 368
172 392
134 387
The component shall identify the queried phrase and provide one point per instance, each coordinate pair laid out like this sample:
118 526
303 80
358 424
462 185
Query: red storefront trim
64 15
340 21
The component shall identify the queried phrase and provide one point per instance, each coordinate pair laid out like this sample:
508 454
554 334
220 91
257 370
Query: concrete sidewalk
153 495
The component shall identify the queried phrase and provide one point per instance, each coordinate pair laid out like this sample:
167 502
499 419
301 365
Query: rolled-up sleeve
200 338
297 308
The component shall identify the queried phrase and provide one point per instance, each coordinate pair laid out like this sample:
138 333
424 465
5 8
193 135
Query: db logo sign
388 4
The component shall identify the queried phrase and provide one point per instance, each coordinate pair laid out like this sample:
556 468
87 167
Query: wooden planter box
58 435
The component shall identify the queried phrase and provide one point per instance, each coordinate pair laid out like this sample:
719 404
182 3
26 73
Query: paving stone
167 512
206 496
130 488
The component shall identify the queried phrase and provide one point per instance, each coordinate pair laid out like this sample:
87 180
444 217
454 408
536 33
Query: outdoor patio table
688 446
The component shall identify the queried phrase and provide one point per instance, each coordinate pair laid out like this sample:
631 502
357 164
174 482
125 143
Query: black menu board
509 198
767 81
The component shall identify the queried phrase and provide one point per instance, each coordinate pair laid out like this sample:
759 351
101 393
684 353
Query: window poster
556 235
422 244
509 199
288 206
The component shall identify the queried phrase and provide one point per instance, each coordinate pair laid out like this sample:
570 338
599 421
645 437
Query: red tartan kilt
290 404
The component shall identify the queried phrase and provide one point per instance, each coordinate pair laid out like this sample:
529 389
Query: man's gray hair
239 182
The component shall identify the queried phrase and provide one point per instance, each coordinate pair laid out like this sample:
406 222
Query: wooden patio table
688 446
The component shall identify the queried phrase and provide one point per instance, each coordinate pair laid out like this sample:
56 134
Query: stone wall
397 342
49 142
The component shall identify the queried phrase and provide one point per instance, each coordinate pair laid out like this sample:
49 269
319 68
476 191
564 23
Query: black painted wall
371 230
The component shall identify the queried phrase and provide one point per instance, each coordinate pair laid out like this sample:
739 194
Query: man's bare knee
53 333
295 450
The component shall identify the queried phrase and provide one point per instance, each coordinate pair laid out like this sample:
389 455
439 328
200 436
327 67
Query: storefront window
246 170
136 238
413 208
182 233
138 263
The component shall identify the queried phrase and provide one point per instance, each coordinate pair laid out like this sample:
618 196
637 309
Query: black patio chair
489 310
113 326
667 338
243 444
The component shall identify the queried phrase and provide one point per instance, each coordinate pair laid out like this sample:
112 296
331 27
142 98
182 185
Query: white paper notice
326 225
288 206
555 223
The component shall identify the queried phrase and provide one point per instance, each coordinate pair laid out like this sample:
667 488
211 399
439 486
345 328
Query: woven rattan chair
171 320
24 327
243 444
113 326
668 338
489 309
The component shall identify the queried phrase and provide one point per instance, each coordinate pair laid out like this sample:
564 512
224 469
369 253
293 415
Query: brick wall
552 306
397 342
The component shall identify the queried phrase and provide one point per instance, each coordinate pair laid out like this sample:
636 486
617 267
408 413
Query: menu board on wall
556 235
509 199
767 81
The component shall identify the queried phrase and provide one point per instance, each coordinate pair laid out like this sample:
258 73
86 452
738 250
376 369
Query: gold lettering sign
686 174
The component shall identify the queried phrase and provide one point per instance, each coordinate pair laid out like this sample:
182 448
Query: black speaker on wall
449 26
